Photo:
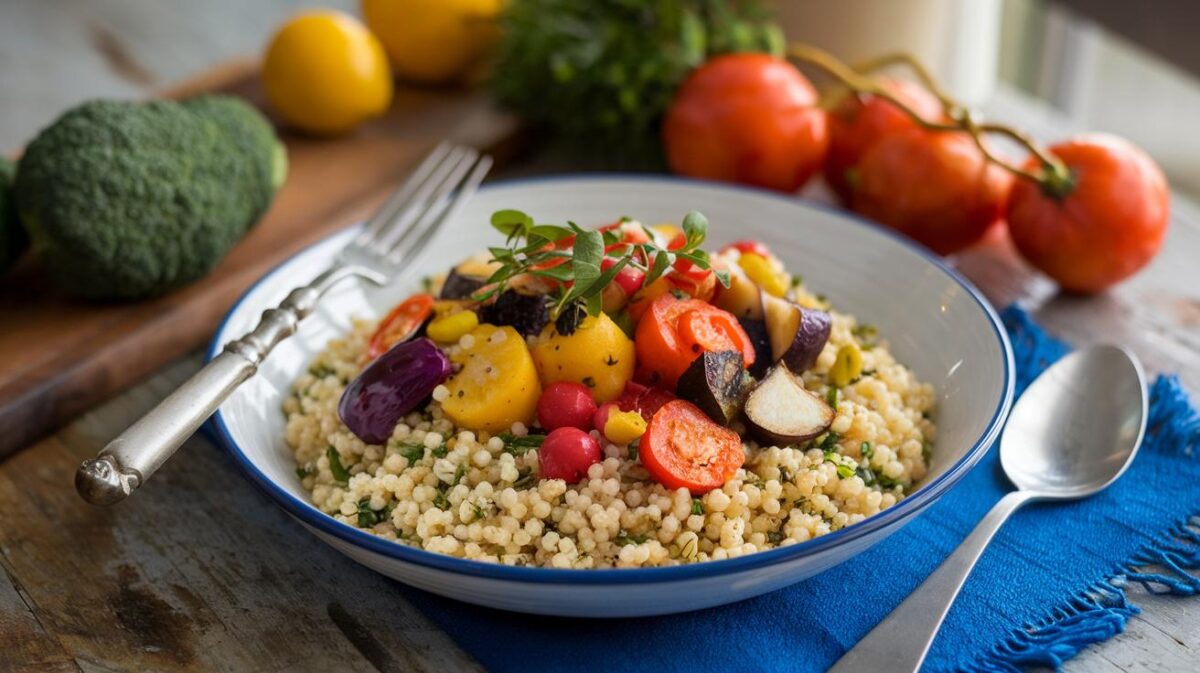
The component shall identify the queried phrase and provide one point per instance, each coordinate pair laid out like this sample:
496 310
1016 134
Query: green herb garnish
624 538
340 474
321 371
866 450
519 446
413 452
440 450
828 441
530 249
459 473
305 471
525 479
697 506
368 517
831 397
635 449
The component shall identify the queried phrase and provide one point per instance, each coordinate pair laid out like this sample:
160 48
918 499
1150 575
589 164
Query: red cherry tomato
935 187
642 399
858 120
565 404
749 118
674 332
1103 226
400 324
629 278
567 453
684 448
747 246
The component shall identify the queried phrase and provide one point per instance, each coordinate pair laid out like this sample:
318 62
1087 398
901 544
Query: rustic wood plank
24 644
59 357
200 572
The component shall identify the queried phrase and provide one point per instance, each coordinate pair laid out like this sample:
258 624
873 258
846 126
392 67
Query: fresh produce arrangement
599 74
1088 212
125 200
609 397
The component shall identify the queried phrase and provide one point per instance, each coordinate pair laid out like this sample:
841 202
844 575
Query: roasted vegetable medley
609 397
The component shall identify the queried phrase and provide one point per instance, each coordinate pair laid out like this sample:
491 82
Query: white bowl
936 323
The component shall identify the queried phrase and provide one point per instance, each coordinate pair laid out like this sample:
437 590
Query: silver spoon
1072 433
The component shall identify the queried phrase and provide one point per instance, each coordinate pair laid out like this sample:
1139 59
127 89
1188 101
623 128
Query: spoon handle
901 640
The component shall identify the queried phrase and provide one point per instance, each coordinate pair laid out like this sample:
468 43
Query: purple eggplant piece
757 331
393 385
811 335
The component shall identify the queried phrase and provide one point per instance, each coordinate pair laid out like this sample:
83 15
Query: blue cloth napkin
1050 584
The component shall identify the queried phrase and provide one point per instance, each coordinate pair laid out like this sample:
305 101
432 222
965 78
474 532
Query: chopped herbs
831 397
305 471
440 500
519 446
589 381
697 506
459 473
844 471
926 451
321 371
828 441
525 479
440 450
368 517
340 474
413 452
776 536
624 538
866 450
635 449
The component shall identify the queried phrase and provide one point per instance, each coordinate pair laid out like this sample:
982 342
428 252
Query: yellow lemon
433 41
325 73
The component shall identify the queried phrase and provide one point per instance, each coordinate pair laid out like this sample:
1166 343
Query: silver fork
398 231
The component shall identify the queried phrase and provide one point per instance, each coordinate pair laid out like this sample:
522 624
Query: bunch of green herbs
600 74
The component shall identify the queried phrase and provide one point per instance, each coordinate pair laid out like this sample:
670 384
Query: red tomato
674 332
684 448
858 120
566 404
935 187
749 118
1103 226
643 399
400 324
567 453
629 278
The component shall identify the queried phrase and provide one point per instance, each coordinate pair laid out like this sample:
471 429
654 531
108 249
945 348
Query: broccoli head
125 200
12 237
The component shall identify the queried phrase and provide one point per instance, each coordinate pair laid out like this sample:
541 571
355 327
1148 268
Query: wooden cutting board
59 357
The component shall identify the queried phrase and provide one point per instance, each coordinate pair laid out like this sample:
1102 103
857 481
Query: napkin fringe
1161 567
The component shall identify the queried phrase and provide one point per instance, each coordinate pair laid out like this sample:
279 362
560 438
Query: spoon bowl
1078 426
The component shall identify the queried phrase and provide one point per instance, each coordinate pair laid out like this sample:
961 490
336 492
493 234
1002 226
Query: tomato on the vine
936 187
1099 225
858 120
749 118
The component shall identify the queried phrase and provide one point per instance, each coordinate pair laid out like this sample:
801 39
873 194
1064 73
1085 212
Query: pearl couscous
474 495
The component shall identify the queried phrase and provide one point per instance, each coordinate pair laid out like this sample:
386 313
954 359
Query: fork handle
129 460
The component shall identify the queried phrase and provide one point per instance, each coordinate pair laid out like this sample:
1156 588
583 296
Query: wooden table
200 571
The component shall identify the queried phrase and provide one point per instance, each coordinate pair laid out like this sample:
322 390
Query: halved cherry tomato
400 324
715 330
645 400
629 278
684 448
665 348
744 246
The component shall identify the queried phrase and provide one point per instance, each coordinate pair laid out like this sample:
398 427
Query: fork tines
429 197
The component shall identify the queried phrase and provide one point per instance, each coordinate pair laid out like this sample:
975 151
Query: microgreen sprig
537 250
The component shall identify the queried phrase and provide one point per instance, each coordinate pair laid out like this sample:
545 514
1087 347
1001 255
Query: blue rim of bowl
900 512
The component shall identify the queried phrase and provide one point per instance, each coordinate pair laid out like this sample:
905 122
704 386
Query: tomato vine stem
858 78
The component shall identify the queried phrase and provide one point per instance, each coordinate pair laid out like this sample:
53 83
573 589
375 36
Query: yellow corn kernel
759 270
847 366
451 328
622 427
